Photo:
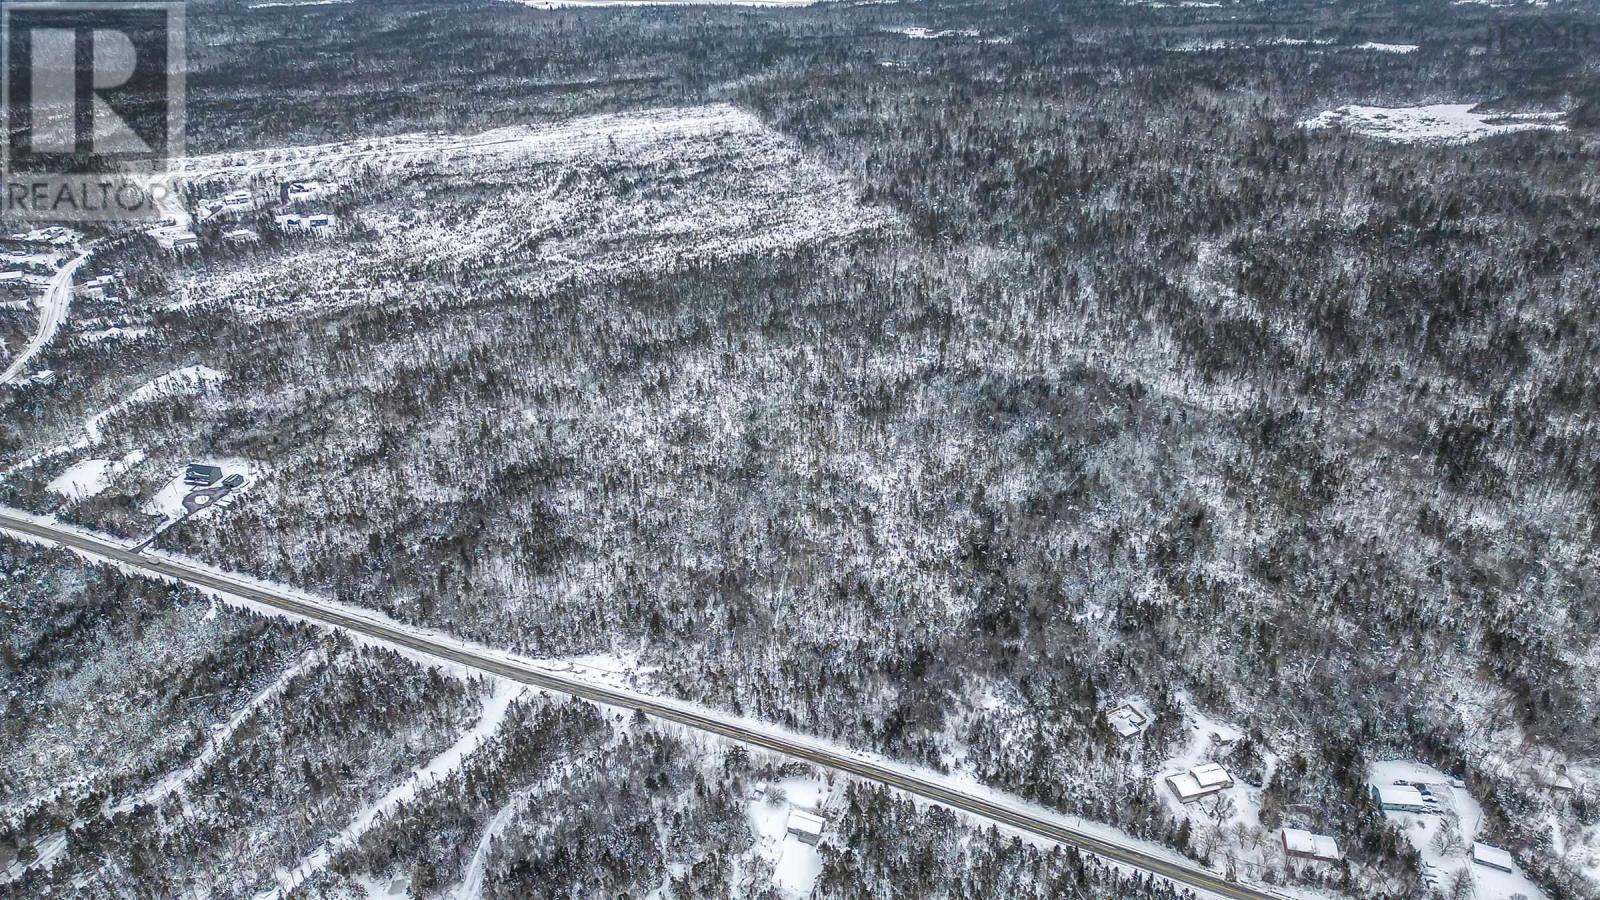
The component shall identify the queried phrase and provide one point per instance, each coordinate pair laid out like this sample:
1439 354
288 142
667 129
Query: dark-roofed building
202 475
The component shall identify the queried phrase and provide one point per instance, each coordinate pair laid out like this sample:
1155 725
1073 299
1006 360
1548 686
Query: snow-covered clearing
168 501
187 381
501 695
1380 47
558 203
1279 41
1444 838
110 334
1442 123
795 864
47 850
178 780
88 477
929 34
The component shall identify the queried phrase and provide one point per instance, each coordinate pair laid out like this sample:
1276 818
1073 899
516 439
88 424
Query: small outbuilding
1493 857
1299 844
806 826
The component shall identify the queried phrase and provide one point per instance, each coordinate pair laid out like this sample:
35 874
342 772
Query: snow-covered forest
926 378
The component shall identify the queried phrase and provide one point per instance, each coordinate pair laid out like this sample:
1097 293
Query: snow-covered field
1442 123
88 477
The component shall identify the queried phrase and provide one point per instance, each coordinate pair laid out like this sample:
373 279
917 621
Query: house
1200 781
1493 857
306 191
176 238
1127 721
1399 798
202 475
240 236
806 826
1298 844
291 222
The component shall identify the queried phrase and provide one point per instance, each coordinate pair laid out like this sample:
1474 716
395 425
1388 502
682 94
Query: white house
1200 781
1126 721
1399 798
1305 845
806 826
1493 857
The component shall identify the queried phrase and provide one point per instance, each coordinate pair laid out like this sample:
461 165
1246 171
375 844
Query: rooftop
1399 795
1492 856
1305 843
808 823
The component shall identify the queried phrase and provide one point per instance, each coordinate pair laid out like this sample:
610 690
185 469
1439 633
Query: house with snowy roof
1200 781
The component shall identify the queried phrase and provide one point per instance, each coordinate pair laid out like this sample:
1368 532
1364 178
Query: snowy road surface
57 297
945 791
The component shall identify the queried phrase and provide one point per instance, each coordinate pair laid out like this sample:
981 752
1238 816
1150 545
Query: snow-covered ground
713 183
102 335
187 381
495 706
168 501
1226 825
1380 47
1445 838
795 863
176 781
1442 123
88 477
930 34
1278 41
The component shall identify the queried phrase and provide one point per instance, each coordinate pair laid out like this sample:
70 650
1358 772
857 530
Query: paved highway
928 787
57 298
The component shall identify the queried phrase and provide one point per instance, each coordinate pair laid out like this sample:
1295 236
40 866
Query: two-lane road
931 787
57 300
